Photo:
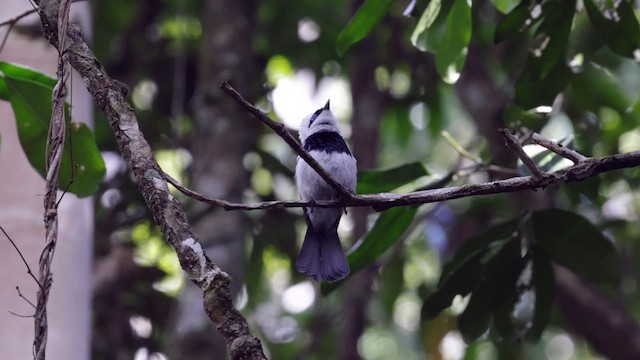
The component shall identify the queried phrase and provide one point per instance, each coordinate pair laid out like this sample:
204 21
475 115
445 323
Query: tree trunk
367 111
223 134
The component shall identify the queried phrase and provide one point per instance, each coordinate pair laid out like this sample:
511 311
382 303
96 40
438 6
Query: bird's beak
326 106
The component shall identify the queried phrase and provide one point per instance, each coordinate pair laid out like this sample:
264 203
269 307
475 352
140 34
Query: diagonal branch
24 261
110 97
584 168
281 130
12 21
559 149
514 145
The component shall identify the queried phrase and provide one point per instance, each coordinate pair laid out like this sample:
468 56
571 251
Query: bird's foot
312 204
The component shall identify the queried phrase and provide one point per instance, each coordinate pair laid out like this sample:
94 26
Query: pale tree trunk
223 134
21 214
368 105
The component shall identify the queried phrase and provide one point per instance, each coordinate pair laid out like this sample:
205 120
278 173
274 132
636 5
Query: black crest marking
315 115
328 141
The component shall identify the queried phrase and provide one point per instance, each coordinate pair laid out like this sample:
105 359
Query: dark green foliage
488 267
369 14
570 240
546 72
619 28
543 282
532 53
502 270
444 28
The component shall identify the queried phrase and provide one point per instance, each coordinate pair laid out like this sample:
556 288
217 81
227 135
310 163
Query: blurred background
395 108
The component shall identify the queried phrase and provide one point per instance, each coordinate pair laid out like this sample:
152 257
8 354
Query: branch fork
583 168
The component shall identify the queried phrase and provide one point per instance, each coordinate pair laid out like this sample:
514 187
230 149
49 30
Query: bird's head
321 120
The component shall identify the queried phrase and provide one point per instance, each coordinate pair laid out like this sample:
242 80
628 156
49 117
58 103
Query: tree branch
110 97
11 23
281 130
563 151
514 145
585 169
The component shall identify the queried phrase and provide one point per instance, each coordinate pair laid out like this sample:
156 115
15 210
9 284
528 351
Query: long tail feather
322 257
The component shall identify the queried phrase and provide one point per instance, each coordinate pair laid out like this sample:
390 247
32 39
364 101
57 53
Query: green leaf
543 282
533 91
505 6
429 32
89 165
546 72
475 319
515 117
620 28
427 19
389 226
553 33
23 73
368 16
595 87
515 22
391 284
459 282
460 275
4 91
30 98
377 181
479 243
572 241
502 272
503 321
453 49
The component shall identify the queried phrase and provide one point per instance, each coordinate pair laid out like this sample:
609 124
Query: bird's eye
314 116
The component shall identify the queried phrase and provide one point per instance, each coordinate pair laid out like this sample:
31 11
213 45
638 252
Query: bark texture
110 96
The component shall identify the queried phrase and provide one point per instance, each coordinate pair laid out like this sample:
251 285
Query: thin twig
24 298
24 261
6 36
12 21
514 145
18 315
502 170
227 205
17 18
459 148
281 130
559 149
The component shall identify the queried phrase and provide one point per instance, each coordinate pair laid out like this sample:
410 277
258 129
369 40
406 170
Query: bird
321 256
